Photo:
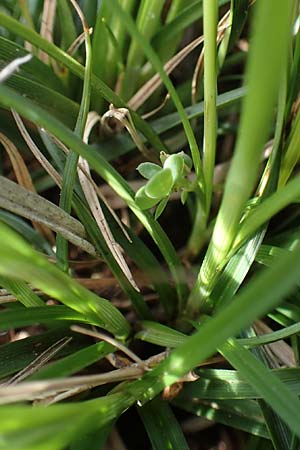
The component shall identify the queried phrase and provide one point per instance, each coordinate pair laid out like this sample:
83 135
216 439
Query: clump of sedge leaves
83 88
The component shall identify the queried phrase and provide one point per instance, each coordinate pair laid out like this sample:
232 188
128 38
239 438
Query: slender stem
156 63
148 22
267 61
210 11
69 175
198 235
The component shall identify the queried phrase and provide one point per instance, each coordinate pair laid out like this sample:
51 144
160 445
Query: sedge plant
149 224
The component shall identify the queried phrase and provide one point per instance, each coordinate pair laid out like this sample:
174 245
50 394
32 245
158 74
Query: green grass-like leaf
279 397
20 261
156 63
233 240
162 426
266 65
52 429
260 296
9 99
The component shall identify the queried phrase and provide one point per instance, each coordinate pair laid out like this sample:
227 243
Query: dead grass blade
94 204
47 25
38 362
35 150
40 389
27 204
198 72
151 85
23 178
117 118
280 352
13 66
110 340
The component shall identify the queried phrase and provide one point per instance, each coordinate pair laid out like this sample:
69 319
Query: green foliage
162 181
216 279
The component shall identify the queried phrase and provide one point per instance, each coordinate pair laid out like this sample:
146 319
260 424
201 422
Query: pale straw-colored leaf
151 85
23 177
94 204
78 42
38 362
13 66
35 150
47 25
281 350
121 117
18 200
